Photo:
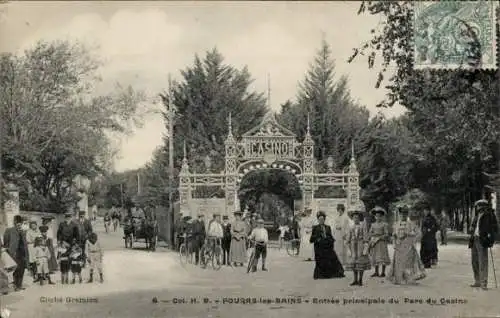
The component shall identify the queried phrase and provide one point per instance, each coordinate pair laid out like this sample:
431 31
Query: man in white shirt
259 235
215 231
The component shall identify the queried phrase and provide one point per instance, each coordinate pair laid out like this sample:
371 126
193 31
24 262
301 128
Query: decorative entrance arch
269 145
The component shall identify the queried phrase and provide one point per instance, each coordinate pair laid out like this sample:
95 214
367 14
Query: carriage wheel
217 258
251 260
292 247
183 254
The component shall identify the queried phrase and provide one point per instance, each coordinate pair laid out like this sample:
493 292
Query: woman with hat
31 235
406 267
379 237
428 243
357 247
237 253
306 225
327 262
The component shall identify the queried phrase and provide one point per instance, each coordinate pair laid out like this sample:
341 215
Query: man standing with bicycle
199 234
259 236
215 232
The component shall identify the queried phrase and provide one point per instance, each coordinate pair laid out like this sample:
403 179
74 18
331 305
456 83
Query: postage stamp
447 34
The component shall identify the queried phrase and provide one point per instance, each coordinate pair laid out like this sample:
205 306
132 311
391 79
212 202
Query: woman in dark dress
327 262
428 243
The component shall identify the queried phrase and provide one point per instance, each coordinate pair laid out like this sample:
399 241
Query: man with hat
306 224
199 234
260 236
226 240
483 234
14 241
67 230
84 230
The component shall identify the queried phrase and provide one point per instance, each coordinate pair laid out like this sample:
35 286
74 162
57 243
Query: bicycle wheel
204 257
217 258
251 260
183 254
292 248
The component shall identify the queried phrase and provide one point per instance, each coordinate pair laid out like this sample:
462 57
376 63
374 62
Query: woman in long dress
237 253
306 225
341 226
379 237
327 262
428 243
406 267
357 239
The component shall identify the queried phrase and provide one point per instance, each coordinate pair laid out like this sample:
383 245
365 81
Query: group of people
34 249
357 245
234 238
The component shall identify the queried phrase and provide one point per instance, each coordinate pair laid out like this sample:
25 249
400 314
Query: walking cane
493 265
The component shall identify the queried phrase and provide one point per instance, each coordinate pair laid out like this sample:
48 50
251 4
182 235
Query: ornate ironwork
267 146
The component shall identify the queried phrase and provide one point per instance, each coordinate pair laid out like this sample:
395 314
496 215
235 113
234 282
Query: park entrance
267 146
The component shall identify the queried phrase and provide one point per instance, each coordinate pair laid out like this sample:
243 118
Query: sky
141 43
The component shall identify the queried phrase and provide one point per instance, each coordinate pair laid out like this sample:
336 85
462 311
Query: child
94 257
259 235
50 246
63 252
42 256
283 229
357 249
76 258
379 236
31 235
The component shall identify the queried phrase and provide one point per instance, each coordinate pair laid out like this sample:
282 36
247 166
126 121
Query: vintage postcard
249 159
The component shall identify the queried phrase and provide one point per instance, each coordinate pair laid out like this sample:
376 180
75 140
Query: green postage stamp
448 33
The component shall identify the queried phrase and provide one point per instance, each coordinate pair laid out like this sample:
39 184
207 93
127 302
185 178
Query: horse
150 230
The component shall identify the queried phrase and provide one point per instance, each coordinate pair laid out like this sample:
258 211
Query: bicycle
251 259
185 252
107 224
292 247
212 253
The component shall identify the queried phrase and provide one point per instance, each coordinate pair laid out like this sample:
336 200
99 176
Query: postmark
448 34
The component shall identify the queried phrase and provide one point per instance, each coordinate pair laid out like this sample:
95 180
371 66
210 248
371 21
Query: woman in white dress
306 224
340 228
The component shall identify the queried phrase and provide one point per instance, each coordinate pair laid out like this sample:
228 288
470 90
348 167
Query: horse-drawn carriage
136 229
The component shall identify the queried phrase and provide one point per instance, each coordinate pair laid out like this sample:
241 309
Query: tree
208 92
335 118
53 126
453 113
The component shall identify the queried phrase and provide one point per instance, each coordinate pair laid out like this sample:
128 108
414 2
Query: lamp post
329 163
82 185
208 162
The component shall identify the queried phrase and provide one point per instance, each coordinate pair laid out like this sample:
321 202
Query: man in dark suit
14 241
67 230
483 233
226 240
199 234
84 230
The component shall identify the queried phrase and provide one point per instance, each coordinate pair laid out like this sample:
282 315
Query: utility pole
121 194
138 183
171 158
